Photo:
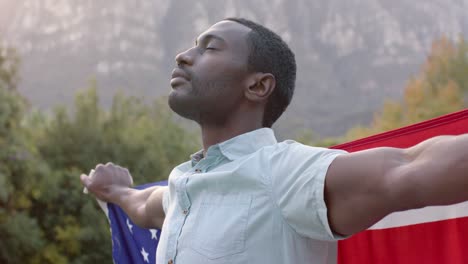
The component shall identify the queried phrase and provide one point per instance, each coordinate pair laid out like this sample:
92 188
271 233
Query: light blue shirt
250 200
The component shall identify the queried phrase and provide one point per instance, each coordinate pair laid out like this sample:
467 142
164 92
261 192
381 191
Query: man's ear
260 87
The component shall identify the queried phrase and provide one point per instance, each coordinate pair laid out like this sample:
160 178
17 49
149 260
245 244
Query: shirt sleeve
298 182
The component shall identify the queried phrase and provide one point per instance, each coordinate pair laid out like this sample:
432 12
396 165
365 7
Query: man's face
208 82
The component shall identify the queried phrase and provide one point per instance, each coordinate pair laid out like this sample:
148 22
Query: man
245 198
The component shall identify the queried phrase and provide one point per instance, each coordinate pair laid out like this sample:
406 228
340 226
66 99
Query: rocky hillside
351 54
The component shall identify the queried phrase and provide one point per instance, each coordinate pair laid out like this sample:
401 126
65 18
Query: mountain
351 54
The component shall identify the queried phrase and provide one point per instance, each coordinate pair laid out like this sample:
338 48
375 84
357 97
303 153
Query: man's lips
179 73
179 76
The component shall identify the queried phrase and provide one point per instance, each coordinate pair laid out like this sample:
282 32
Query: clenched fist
109 182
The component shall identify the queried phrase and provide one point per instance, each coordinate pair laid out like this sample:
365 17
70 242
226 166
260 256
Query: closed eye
202 50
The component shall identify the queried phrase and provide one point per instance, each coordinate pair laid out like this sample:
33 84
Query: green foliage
20 234
309 138
44 216
143 138
20 172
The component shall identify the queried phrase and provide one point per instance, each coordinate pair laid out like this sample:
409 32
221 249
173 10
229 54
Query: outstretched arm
363 187
112 183
144 207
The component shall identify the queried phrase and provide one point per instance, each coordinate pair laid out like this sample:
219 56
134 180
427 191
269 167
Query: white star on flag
144 254
130 226
154 233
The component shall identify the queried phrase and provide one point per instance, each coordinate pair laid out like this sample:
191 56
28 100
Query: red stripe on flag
437 242
451 124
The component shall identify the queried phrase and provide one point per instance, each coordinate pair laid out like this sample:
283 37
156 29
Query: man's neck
212 135
245 119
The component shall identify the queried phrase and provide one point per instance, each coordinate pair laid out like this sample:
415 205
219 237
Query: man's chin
181 106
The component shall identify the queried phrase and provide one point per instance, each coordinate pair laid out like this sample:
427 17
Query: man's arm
144 207
113 183
363 187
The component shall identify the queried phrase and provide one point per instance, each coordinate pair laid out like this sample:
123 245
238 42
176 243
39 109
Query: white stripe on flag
423 215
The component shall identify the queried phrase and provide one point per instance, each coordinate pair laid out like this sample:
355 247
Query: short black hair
268 53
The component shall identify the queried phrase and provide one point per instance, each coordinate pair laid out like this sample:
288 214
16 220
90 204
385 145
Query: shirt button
185 212
170 261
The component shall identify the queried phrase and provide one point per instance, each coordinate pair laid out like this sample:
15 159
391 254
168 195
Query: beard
185 105
202 101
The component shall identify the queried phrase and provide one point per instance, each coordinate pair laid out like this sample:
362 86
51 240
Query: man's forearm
144 207
438 171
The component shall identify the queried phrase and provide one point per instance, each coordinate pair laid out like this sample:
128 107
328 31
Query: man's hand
109 182
112 183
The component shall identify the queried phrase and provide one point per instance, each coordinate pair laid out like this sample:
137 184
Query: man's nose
185 57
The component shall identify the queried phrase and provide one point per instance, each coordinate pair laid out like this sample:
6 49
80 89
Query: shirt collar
239 146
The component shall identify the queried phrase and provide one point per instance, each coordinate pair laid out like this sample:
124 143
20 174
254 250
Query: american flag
130 243
431 235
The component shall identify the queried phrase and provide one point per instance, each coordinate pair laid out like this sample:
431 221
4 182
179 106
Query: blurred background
84 82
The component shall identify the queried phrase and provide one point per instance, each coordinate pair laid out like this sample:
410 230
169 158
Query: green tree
144 138
21 171
44 216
